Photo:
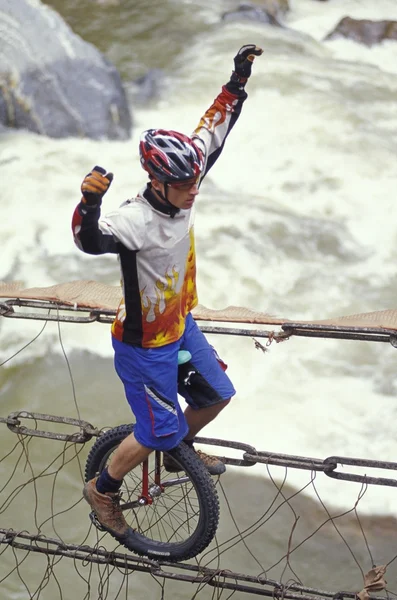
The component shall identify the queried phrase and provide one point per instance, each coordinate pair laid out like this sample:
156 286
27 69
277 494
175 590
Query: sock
189 443
106 483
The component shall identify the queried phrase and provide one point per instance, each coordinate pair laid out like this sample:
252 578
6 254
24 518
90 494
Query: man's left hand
244 59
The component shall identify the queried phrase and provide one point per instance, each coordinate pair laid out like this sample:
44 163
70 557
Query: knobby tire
154 522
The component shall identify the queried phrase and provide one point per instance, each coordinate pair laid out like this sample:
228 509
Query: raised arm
86 232
218 121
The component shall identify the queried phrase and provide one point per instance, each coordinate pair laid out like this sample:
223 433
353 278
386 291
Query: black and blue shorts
151 383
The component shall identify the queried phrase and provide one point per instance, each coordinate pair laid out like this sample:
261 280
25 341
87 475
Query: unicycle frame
150 491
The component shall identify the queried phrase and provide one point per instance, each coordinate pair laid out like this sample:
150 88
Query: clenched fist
95 185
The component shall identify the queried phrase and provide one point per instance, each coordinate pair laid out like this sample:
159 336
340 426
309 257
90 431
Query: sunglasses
184 186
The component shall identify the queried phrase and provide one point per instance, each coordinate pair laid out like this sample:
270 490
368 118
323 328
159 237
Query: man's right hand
95 185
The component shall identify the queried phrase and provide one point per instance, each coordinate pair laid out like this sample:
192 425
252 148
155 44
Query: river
297 219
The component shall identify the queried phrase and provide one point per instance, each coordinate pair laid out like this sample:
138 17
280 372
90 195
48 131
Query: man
153 237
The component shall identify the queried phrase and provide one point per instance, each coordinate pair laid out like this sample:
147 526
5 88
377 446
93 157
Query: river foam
297 219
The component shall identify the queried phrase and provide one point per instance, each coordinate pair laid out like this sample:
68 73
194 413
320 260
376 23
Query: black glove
95 185
243 62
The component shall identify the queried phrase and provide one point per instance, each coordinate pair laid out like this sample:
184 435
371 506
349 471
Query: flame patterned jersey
156 252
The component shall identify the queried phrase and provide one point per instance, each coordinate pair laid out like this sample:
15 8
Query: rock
275 7
252 12
54 83
364 31
146 88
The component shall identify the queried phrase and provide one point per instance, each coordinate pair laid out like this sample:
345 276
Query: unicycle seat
183 357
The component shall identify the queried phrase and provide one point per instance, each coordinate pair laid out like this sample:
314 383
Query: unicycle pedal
94 521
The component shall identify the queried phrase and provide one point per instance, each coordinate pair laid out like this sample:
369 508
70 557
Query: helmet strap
173 209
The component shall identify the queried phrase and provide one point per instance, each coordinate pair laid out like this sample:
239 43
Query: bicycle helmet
169 156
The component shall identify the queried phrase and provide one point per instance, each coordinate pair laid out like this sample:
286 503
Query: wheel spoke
172 516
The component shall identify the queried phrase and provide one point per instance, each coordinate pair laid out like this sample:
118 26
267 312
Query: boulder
147 87
54 83
262 11
276 8
364 31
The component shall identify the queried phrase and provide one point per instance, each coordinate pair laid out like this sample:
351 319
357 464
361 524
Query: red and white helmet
169 156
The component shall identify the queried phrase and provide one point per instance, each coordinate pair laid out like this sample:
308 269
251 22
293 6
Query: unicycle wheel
178 516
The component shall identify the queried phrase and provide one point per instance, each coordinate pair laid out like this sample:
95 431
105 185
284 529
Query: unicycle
174 515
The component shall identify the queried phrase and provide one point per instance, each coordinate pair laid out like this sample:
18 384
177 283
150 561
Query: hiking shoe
170 464
107 509
213 465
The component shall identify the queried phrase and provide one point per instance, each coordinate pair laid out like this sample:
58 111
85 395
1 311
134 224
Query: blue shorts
150 378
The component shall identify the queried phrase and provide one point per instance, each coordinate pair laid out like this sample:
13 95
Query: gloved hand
243 62
95 185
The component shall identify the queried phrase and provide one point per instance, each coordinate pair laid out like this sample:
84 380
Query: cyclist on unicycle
153 236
